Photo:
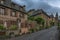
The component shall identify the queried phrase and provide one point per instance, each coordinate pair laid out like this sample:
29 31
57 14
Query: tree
39 20
31 18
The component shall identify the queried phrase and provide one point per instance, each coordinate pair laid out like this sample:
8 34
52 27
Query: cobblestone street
47 34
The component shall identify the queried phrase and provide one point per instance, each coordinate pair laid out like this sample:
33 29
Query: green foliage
31 30
13 27
37 28
31 18
58 24
39 20
2 27
47 27
51 23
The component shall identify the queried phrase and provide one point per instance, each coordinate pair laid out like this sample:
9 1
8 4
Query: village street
29 19
47 34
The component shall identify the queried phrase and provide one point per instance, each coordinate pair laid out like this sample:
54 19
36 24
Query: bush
17 35
37 29
51 23
58 24
40 28
13 27
31 18
31 30
2 27
47 27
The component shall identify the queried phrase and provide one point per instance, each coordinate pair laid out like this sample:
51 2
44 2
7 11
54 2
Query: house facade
12 14
42 14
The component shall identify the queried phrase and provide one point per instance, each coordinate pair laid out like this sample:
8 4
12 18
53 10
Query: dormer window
2 1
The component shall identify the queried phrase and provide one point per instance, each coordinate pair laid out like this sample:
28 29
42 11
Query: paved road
47 34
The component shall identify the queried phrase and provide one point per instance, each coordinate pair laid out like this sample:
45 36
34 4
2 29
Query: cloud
50 6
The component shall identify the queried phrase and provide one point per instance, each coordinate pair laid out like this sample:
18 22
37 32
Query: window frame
13 15
22 15
2 11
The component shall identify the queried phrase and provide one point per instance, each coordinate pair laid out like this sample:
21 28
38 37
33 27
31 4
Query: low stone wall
12 32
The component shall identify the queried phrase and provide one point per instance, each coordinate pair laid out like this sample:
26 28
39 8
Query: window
2 1
22 15
22 25
13 13
26 24
2 11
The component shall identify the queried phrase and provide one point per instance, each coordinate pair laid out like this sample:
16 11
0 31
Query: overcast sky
50 6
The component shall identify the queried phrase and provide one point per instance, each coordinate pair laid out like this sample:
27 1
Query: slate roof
37 12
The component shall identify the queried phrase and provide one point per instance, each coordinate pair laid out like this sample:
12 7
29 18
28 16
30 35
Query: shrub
2 27
31 18
13 27
31 30
37 28
47 27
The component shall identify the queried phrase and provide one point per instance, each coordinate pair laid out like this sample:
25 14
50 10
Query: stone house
12 14
42 14
54 19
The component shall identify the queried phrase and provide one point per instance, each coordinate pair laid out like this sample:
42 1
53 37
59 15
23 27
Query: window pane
2 11
13 13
